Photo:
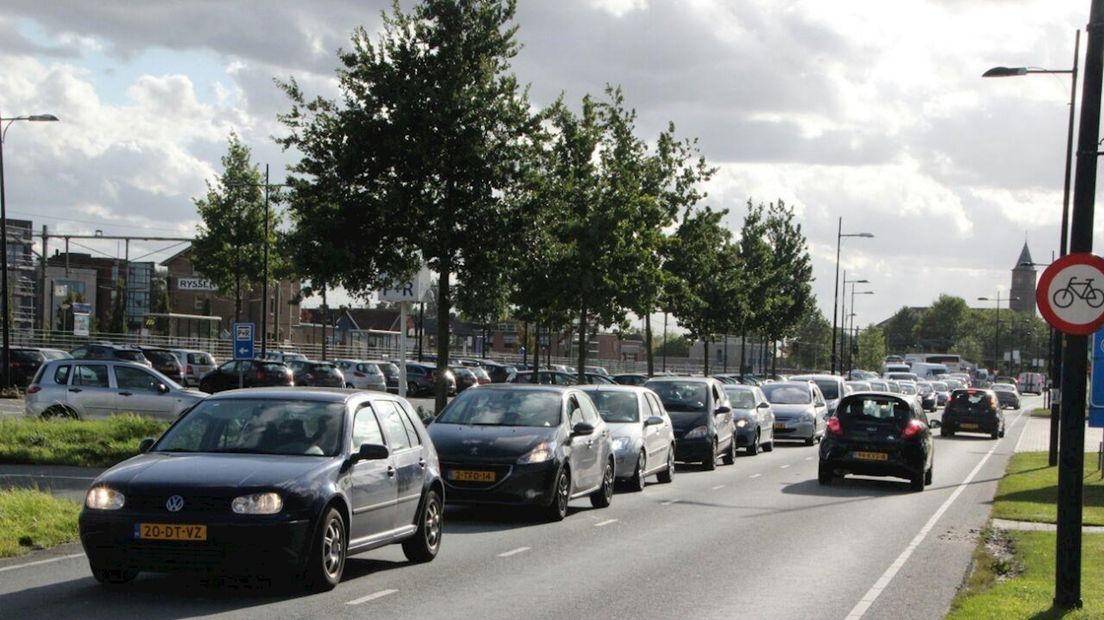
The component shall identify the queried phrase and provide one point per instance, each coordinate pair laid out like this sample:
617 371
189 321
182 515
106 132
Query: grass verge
84 443
1041 412
1022 585
32 520
1029 490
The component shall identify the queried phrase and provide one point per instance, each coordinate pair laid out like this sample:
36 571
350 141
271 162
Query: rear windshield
26 356
324 369
389 370
971 401
908 388
681 396
740 398
779 394
1003 387
274 368
874 408
829 388
879 386
160 357
202 359
134 356
616 406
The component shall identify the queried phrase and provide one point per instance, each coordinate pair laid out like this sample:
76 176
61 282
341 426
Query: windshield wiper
173 450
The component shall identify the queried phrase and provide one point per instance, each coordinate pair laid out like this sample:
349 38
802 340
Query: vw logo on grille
174 503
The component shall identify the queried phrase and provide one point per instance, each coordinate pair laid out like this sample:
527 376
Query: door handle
75 390
125 394
422 463
590 443
390 471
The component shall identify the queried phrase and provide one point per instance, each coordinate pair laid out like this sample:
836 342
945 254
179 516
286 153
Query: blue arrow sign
243 340
1096 393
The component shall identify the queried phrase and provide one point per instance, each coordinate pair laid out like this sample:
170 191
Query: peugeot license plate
465 475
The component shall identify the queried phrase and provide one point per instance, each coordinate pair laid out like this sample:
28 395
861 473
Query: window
396 431
366 428
590 414
61 375
135 379
91 375
411 432
576 415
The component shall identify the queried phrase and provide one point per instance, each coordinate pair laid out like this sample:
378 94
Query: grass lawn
85 443
32 520
1041 412
1029 490
1023 586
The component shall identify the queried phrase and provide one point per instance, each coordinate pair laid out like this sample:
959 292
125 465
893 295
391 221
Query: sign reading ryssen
194 284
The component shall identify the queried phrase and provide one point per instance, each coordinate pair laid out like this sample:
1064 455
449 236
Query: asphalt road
758 539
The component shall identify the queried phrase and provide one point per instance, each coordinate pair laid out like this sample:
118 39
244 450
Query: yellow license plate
780 426
464 475
169 531
967 425
872 456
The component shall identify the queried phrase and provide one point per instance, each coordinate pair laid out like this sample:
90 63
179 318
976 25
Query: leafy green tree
900 330
790 273
872 349
418 159
812 341
230 240
940 326
674 346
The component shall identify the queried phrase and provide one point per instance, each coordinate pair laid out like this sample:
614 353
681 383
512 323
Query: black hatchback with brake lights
269 482
878 434
973 411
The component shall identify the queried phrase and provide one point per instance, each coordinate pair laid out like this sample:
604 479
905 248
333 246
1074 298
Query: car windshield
484 407
53 354
874 408
258 426
781 394
924 388
681 396
615 406
160 357
740 398
1003 387
323 369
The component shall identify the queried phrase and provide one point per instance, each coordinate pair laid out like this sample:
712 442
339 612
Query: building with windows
22 279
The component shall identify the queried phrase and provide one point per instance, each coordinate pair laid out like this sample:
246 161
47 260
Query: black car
247 373
877 434
316 374
390 374
269 482
702 417
973 411
164 362
110 352
421 379
24 365
928 396
498 372
465 378
544 377
525 445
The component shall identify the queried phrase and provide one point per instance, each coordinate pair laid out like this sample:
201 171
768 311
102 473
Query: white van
889 367
928 371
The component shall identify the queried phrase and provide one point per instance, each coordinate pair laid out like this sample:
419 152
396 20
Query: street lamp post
996 337
1056 340
844 333
835 289
850 353
264 284
4 311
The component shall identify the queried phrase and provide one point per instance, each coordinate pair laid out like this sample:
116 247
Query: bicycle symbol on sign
1078 289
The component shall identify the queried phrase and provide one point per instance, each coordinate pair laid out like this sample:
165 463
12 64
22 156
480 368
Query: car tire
811 440
603 497
824 475
729 456
928 475
995 435
350 386
769 446
944 432
561 494
916 483
1001 433
326 562
113 577
709 463
753 447
668 475
426 542
60 411
636 483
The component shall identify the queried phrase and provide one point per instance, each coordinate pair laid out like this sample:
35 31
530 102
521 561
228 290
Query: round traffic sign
1070 294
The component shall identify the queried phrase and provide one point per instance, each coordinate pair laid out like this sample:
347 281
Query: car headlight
622 443
741 423
257 504
103 498
698 432
541 453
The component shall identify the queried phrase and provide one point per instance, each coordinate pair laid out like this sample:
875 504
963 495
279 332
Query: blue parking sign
243 340
1096 391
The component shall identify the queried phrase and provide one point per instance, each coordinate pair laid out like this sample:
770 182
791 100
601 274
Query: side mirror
146 444
722 410
428 420
934 424
653 421
162 388
763 405
372 452
582 429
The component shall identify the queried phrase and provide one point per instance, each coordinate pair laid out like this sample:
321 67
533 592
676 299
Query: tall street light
835 289
850 354
996 338
844 334
1056 342
264 285
6 361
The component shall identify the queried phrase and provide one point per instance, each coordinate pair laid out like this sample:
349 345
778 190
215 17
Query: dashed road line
718 487
783 467
371 597
605 523
755 475
668 502
506 554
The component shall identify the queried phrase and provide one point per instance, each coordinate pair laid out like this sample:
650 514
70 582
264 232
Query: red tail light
913 429
33 389
834 427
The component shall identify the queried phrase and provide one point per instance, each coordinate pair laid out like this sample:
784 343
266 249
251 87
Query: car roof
612 387
814 377
538 387
693 379
321 394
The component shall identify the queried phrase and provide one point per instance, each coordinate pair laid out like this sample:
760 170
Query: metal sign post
244 334
405 293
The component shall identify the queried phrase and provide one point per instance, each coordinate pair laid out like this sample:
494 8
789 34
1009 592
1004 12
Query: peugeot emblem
474 451
174 504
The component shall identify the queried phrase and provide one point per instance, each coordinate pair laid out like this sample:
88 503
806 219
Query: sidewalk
1036 437
61 481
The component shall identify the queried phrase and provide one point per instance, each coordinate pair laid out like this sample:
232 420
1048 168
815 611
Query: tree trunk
705 356
525 343
774 357
581 371
444 302
743 345
648 344
237 298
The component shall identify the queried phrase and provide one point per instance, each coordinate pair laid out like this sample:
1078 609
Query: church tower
1023 283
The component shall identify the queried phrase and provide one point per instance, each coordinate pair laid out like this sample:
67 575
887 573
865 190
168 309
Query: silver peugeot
643 437
77 388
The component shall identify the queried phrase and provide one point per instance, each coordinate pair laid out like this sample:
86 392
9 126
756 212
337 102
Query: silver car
101 388
194 363
753 416
362 375
800 411
643 437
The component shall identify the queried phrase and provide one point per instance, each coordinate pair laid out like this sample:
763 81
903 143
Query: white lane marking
755 475
371 597
717 488
783 467
880 585
39 562
668 502
605 523
808 458
506 554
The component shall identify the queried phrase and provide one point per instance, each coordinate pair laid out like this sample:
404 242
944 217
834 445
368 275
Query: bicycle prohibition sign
1068 296
1075 289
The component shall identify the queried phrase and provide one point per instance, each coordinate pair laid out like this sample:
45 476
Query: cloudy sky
868 110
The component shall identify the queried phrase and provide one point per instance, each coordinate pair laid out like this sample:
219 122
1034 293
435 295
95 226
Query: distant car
874 434
362 375
25 362
284 356
544 377
928 398
973 411
832 387
800 411
525 445
702 416
110 352
250 373
82 389
1007 395
598 370
316 373
754 418
390 372
630 379
860 386
421 379
164 362
280 483
942 392
877 385
465 378
643 437
195 364
497 372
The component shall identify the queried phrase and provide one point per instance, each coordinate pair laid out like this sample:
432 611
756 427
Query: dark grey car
754 418
702 417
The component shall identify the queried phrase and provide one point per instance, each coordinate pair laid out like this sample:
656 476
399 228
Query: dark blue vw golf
269 481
